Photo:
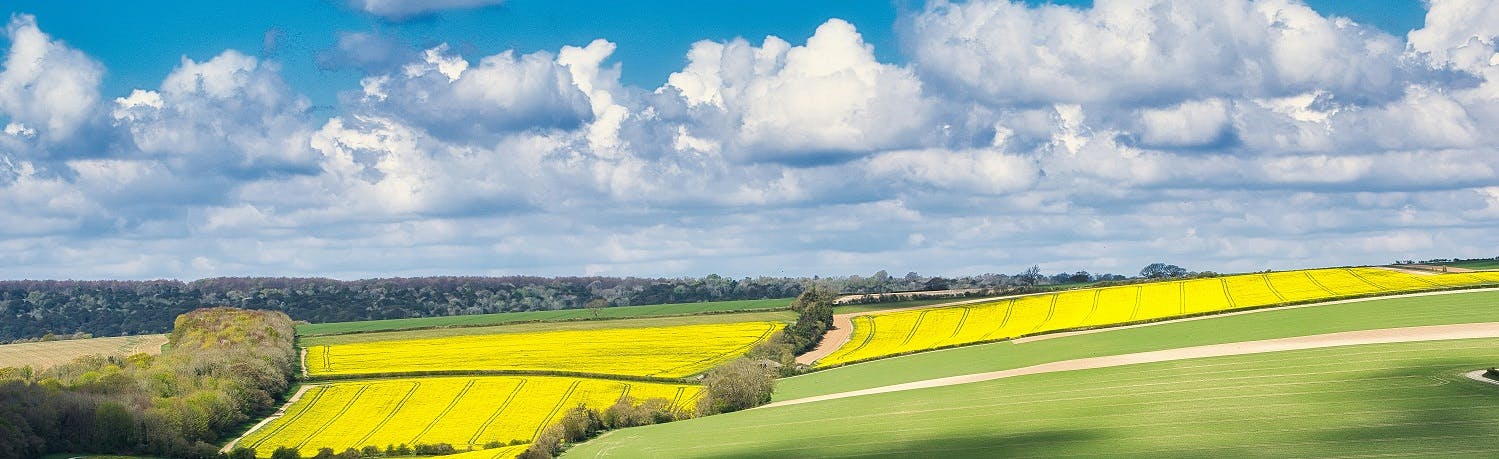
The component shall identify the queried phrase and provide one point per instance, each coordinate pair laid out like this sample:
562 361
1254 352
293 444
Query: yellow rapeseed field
462 411
879 335
670 352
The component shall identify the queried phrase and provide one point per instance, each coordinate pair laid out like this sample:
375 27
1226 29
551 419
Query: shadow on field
986 444
1452 414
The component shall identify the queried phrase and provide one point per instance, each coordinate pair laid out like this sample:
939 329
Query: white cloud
982 171
230 113
1154 51
1193 123
828 97
46 86
1460 32
405 9
452 98
1227 136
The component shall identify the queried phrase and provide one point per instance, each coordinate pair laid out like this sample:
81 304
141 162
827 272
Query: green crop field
1444 309
542 316
1473 264
1357 401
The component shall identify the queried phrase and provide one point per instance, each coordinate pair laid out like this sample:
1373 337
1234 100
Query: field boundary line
1227 295
441 373
1378 336
1486 286
867 338
1139 290
334 420
1256 310
1361 278
1009 309
496 414
1318 283
828 346
538 321
1094 310
388 416
914 327
445 410
1051 310
961 320
277 415
1271 286
566 396
771 328
1181 298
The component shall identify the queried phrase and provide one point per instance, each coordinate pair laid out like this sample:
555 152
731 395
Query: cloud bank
1236 136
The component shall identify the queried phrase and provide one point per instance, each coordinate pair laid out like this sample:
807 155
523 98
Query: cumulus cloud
983 171
1195 123
405 9
1231 136
827 97
502 92
47 88
1459 32
1153 52
232 114
370 52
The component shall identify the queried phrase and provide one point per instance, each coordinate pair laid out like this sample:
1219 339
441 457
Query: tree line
30 309
222 367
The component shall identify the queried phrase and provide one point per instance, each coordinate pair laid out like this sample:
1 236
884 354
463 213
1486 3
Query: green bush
240 452
738 385
286 453
626 412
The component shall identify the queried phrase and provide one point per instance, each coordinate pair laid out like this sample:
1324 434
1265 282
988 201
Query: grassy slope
1454 308
48 353
769 316
1474 264
1397 399
534 316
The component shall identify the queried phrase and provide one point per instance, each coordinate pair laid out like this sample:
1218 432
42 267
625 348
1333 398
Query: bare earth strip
1423 269
843 328
1389 335
1477 375
279 412
48 353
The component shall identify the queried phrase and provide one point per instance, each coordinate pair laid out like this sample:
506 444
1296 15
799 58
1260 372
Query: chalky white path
1353 338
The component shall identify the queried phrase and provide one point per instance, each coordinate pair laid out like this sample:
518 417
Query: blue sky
652 35
388 137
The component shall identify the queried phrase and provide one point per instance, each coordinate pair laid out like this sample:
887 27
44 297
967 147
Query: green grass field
1399 400
528 327
1474 264
1455 308
538 316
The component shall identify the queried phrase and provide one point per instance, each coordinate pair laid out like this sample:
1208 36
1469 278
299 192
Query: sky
376 138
